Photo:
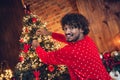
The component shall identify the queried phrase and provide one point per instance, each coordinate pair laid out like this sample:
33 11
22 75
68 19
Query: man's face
72 34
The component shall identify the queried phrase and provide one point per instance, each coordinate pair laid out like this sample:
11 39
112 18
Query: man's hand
42 31
35 44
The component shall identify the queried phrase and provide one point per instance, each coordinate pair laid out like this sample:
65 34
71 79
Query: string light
5 72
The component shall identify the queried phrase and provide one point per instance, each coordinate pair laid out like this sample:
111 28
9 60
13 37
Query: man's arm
55 57
59 37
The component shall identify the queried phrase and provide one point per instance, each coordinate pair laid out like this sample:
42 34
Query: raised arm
59 37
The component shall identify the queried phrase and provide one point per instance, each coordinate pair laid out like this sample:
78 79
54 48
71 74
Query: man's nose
67 31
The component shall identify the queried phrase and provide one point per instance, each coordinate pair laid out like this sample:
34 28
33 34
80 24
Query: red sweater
81 57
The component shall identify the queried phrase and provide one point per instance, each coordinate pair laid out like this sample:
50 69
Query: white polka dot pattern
81 58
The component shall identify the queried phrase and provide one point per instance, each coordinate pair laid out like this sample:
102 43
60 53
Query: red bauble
106 55
51 68
21 40
36 74
34 20
26 48
21 58
27 11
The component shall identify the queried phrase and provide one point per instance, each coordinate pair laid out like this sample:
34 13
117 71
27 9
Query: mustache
69 34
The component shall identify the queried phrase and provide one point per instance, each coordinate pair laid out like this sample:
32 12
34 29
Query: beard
71 38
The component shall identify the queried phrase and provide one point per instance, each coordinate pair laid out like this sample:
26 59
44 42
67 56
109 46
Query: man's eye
64 29
71 27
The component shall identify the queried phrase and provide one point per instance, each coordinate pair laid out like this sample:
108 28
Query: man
80 55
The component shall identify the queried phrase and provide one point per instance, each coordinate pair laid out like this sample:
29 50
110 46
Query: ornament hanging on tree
26 47
36 74
21 58
34 20
51 68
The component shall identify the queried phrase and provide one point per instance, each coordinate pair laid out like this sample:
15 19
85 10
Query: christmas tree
30 67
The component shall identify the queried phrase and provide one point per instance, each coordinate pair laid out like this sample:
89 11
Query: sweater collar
79 41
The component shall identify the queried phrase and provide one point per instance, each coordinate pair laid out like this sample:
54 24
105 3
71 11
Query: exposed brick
51 11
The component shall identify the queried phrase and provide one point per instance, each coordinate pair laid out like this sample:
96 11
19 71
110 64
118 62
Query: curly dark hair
76 20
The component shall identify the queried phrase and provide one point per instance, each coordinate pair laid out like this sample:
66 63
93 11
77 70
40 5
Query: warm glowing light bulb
118 41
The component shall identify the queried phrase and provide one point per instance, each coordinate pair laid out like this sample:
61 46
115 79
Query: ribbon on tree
36 74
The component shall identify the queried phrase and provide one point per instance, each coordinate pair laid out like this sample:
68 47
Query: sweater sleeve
59 37
54 57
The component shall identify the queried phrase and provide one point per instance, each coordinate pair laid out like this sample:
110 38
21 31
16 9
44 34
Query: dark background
11 13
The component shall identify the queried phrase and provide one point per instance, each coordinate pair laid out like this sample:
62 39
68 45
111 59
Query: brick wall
51 11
